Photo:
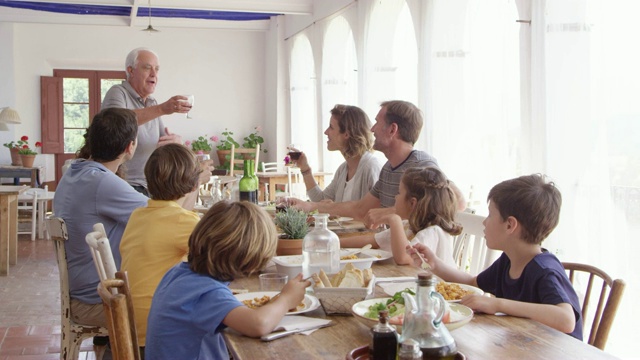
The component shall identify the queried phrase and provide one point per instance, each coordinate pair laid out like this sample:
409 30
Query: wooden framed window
70 99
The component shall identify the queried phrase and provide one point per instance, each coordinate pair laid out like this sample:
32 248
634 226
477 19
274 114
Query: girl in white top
350 133
428 202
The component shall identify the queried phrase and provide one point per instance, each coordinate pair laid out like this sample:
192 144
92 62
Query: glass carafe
423 320
320 248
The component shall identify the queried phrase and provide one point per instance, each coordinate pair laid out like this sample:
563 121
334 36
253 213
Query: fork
425 265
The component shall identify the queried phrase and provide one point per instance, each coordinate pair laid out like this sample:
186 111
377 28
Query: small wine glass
190 100
294 153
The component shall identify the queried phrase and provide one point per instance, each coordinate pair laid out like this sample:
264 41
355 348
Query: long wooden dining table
484 337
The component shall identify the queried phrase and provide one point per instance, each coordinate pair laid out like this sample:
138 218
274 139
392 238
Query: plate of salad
367 312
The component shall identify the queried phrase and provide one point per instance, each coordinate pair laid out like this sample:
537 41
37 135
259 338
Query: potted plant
226 141
293 223
27 155
15 146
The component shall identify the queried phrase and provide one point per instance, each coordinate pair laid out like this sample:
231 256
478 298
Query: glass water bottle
320 248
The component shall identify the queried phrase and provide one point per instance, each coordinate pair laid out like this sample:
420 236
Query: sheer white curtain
303 97
593 121
473 102
339 79
391 56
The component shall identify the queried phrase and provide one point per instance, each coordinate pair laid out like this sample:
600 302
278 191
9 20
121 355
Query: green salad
395 305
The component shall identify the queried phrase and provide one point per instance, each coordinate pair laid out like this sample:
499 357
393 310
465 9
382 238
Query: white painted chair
270 166
28 213
72 333
101 252
295 183
44 196
470 249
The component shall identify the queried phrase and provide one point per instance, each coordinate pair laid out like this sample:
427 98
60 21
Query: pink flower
287 160
187 143
214 138
200 152
258 128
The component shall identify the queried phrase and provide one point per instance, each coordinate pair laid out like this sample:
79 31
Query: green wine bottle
247 185
252 165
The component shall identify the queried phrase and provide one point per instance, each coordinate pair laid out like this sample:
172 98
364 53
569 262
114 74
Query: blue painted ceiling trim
79 9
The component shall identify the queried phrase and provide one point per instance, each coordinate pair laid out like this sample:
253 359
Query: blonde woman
350 133
193 302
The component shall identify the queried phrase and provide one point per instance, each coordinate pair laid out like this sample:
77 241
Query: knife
280 334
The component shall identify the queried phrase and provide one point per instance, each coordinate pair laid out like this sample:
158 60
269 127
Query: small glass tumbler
273 281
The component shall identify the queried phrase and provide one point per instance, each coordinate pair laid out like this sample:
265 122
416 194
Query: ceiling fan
150 28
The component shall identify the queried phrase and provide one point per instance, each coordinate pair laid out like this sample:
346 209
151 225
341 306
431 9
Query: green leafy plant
226 141
292 222
201 144
252 140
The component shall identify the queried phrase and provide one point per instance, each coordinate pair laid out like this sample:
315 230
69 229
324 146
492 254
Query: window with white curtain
391 56
304 127
593 125
473 106
339 78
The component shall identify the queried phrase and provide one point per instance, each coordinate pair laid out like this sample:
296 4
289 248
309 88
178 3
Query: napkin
292 322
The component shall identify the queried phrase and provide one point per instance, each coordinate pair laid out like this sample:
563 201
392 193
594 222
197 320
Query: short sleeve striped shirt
388 183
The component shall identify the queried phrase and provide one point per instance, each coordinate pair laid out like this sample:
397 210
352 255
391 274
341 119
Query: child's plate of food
452 292
255 300
366 312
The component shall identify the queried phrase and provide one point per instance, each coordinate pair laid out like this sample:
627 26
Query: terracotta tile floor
30 306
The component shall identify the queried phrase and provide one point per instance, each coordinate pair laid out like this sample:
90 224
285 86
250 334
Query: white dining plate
392 288
341 219
379 255
458 316
309 303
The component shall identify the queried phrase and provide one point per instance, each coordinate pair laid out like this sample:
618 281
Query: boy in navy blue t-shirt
527 280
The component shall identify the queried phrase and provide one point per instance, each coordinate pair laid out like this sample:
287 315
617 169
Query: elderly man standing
135 94
397 127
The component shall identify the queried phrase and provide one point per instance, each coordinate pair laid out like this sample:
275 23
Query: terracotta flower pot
27 160
15 157
289 247
222 156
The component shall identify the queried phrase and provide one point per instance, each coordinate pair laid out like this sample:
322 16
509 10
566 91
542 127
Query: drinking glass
294 153
272 281
190 100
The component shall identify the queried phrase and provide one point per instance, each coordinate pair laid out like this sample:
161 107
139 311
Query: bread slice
367 275
325 279
352 279
316 280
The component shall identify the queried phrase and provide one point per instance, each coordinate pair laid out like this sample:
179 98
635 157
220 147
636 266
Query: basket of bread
338 292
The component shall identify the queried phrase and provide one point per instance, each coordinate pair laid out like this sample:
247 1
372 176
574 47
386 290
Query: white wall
224 69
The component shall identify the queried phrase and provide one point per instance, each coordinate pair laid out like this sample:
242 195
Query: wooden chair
470 249
118 308
243 154
606 307
101 252
72 333
28 213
